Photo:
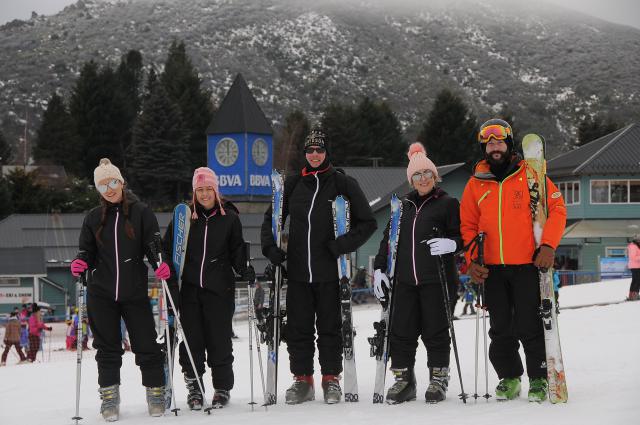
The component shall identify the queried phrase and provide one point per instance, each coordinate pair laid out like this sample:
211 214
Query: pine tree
27 195
183 85
56 140
340 124
130 75
6 153
449 131
591 129
6 203
380 134
289 142
158 167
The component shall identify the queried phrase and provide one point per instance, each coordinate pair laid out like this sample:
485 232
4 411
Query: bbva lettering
259 180
230 180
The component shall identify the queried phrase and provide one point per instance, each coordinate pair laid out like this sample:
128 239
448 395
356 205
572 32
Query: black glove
249 274
276 256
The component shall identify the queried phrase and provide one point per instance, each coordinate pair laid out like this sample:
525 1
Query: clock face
260 152
227 152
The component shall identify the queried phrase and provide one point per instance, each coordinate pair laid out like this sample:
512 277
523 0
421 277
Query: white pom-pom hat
106 170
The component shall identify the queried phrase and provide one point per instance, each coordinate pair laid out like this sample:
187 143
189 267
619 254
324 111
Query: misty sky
620 11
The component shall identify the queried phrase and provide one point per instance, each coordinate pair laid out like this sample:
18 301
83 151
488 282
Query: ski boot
633 296
194 397
538 389
220 399
508 389
404 388
302 390
110 408
437 390
155 401
331 389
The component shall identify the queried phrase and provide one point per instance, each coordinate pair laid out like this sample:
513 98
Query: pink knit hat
418 161
205 177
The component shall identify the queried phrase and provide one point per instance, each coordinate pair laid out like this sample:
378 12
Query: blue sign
242 161
613 267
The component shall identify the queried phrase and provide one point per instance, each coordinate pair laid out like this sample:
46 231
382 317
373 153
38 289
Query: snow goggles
113 184
420 174
494 131
311 150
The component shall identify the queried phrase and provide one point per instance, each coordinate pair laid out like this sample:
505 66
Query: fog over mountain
549 66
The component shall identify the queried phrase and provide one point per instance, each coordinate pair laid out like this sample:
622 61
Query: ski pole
250 319
482 301
167 337
447 308
80 285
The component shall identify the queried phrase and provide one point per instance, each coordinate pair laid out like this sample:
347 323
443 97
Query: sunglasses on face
113 184
420 174
495 131
314 150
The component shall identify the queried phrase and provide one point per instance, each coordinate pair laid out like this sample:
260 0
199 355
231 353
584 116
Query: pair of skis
341 221
536 168
380 341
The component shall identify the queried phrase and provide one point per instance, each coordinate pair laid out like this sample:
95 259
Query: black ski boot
220 399
404 388
439 382
194 397
301 390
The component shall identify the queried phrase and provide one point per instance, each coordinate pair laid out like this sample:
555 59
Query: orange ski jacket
502 211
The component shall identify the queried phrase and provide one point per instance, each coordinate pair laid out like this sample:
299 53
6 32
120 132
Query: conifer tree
6 153
450 130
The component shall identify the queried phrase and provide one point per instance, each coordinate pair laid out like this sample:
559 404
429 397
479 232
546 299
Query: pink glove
78 267
163 272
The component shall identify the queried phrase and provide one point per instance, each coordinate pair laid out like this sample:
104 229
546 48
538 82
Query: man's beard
497 162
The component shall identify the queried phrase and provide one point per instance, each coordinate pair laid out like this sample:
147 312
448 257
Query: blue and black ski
274 316
380 341
341 219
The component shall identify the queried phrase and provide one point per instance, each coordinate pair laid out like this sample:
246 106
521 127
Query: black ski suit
214 250
418 302
118 287
313 289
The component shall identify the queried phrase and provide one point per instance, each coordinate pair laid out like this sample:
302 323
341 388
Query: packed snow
600 345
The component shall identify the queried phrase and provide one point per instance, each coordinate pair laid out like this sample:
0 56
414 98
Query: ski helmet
495 129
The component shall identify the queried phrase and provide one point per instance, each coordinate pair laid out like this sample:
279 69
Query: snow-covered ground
601 347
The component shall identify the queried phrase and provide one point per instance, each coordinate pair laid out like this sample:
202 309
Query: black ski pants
513 299
419 311
635 280
308 304
206 318
104 319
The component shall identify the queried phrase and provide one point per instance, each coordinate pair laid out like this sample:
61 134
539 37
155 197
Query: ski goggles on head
494 131
113 184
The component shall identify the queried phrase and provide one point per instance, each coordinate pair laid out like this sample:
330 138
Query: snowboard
536 169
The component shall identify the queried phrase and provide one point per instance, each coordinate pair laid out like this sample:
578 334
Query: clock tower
240 144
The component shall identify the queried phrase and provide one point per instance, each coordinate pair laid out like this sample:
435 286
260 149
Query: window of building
570 192
615 191
616 251
9 281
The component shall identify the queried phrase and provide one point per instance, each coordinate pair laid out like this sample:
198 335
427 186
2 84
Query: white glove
441 246
380 279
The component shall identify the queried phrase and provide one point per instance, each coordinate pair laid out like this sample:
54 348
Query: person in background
36 326
12 338
633 253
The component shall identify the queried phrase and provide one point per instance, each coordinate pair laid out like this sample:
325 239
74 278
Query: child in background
12 337
36 326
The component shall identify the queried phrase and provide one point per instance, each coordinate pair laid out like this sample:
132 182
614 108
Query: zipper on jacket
500 212
115 233
204 249
483 196
413 237
313 200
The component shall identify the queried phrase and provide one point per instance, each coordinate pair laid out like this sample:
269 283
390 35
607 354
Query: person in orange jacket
496 202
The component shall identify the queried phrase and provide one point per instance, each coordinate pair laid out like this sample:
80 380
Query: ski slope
601 347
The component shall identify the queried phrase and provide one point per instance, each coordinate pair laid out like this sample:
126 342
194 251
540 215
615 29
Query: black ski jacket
414 263
116 266
214 250
312 249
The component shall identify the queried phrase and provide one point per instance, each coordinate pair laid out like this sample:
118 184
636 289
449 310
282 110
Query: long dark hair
128 227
